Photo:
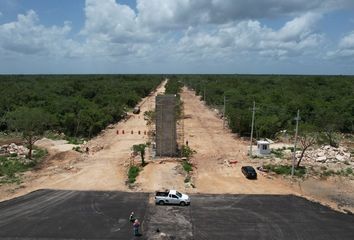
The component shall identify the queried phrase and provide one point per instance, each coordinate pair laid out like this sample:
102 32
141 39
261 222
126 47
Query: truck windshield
178 194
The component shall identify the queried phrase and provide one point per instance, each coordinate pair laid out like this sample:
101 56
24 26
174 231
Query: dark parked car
249 172
136 110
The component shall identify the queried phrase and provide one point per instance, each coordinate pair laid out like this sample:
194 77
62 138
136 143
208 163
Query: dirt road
216 146
105 167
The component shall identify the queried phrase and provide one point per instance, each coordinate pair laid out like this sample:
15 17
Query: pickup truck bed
162 194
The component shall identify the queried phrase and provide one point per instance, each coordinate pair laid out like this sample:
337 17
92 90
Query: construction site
216 164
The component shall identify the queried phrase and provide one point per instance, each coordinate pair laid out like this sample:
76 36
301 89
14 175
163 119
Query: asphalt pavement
55 214
49 214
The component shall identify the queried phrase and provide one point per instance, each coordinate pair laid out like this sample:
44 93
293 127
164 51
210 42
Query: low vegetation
342 172
150 117
133 173
187 166
279 153
285 169
187 152
12 166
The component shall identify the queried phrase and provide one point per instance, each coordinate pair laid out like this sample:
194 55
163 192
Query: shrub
10 167
278 153
349 171
187 152
77 149
39 154
74 140
286 170
133 173
187 166
327 173
187 179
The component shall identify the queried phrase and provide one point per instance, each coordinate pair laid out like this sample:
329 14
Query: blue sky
177 36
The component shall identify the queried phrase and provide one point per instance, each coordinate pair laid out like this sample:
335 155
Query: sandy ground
105 166
215 147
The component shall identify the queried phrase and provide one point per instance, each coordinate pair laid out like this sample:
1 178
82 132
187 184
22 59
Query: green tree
31 122
140 148
187 152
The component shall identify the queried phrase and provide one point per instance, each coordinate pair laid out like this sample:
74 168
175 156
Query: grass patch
39 154
292 149
349 171
343 172
278 153
133 173
285 170
53 135
327 173
187 166
187 152
11 166
74 140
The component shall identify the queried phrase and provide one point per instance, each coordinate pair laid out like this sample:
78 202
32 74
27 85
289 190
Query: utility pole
253 113
204 95
295 141
224 111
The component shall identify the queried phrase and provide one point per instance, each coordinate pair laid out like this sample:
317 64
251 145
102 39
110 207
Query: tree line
326 103
77 105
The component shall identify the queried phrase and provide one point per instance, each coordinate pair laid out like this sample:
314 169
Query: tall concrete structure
166 143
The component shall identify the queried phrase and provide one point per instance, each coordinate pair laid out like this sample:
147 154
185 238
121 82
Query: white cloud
345 48
117 30
296 37
112 29
166 14
171 30
347 41
109 18
28 36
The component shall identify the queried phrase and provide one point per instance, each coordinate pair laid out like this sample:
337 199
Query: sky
177 36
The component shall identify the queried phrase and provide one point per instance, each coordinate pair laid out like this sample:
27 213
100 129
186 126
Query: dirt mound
54 146
67 155
17 141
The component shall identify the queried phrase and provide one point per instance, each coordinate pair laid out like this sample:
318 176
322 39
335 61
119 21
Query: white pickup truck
172 197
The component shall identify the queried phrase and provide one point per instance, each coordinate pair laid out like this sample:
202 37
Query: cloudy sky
177 36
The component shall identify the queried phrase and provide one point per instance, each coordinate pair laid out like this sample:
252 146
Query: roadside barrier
139 132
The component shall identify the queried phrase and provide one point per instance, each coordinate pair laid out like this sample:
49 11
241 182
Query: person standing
132 217
136 226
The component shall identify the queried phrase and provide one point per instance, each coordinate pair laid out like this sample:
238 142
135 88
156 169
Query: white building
263 147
